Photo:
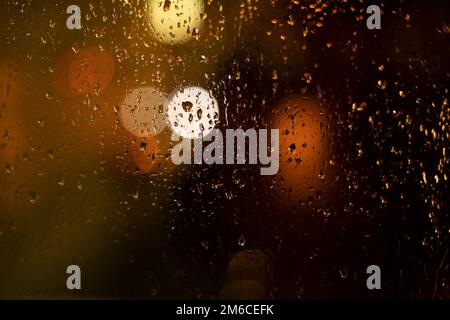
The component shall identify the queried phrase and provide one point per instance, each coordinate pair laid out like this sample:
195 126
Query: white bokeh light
192 112
143 113
175 21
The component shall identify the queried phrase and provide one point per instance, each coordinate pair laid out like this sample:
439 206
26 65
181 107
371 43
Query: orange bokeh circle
85 72
149 155
305 155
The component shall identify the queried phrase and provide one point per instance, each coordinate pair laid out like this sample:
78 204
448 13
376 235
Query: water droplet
292 148
34 197
187 106
274 75
241 240
205 244
166 5
382 84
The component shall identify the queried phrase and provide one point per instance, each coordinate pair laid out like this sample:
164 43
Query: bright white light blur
175 21
192 112
142 113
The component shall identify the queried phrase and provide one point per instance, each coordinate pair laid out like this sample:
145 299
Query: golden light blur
176 21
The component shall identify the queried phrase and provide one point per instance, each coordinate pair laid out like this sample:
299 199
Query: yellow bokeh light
175 21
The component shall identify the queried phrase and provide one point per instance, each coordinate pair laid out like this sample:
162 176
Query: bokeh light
86 71
149 155
193 112
143 112
304 148
175 21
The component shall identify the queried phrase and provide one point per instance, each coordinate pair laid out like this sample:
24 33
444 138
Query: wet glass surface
87 177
